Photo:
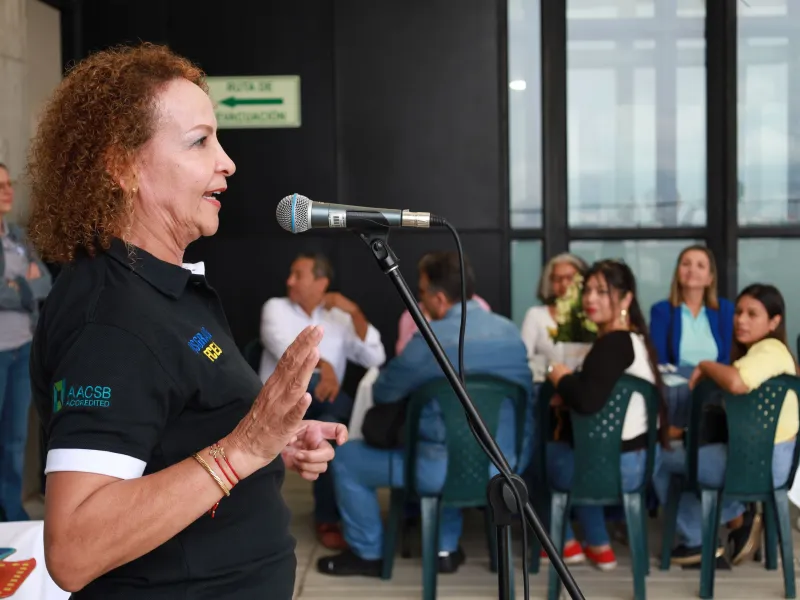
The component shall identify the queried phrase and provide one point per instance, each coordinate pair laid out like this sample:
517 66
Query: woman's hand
276 417
311 452
557 371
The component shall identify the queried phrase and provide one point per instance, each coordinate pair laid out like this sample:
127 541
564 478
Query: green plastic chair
252 353
467 475
752 420
597 441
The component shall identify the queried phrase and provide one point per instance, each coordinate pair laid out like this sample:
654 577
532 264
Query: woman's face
6 192
751 322
561 278
603 304
182 168
694 271
597 300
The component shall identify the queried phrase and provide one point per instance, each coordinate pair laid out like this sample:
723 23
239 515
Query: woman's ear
774 323
626 300
120 168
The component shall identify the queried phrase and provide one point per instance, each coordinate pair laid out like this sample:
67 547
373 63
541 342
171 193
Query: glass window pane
524 113
652 263
769 111
526 267
636 127
764 261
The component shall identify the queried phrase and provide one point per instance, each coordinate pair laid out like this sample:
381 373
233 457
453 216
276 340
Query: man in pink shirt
406 328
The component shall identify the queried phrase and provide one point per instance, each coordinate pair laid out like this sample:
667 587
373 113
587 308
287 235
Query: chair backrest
252 353
752 421
597 440
467 465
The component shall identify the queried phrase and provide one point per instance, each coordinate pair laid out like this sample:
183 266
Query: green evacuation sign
256 102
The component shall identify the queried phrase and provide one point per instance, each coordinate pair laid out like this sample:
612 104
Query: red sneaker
573 553
604 560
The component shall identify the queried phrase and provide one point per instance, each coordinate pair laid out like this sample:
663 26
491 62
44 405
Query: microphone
297 214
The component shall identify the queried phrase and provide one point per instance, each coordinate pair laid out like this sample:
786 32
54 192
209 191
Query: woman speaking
165 455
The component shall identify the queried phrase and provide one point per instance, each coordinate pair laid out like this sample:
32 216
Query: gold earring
623 316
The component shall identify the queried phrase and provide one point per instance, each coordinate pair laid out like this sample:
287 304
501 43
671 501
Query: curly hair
99 117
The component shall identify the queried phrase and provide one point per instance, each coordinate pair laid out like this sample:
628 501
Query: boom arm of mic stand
378 242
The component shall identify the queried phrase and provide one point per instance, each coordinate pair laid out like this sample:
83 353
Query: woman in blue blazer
693 324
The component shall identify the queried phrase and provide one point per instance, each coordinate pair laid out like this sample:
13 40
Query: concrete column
14 106
30 68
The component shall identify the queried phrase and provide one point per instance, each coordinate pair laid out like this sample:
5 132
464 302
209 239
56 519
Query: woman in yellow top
759 353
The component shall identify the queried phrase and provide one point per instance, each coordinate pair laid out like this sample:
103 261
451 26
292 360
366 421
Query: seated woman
553 284
622 346
692 324
759 353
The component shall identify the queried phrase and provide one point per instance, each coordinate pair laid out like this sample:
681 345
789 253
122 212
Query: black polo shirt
134 368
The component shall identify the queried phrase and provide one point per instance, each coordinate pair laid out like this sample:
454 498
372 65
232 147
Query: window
764 261
652 262
525 114
769 112
636 113
526 268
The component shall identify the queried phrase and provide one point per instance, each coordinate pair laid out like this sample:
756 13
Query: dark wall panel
416 85
269 38
399 108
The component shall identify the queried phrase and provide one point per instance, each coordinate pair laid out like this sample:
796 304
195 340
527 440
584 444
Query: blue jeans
15 398
711 472
360 469
560 470
338 411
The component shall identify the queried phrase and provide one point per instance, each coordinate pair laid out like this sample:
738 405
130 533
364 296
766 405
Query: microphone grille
292 213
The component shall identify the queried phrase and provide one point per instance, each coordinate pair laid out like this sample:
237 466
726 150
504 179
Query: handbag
713 425
384 425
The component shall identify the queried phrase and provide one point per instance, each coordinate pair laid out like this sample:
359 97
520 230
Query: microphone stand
501 499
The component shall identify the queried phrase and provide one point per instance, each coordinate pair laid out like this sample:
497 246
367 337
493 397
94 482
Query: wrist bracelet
211 472
217 451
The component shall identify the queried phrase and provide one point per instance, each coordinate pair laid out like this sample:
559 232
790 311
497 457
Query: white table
26 563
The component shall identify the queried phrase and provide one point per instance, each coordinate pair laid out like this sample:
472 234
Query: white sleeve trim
94 461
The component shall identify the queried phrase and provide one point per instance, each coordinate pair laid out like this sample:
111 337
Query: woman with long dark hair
623 346
759 353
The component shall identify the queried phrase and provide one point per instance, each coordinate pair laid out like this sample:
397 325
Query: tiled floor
474 580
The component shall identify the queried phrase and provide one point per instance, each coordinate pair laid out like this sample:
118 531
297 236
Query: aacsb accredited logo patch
88 396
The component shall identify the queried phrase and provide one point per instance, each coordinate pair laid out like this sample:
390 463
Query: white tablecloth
26 538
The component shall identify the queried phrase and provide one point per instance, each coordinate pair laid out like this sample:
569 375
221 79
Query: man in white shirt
347 336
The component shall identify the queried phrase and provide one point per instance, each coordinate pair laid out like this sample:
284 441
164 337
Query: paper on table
673 379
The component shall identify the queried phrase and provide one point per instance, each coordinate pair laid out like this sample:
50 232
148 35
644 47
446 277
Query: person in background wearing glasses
553 284
25 281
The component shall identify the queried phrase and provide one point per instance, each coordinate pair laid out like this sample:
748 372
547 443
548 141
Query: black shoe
685 555
746 540
450 561
348 564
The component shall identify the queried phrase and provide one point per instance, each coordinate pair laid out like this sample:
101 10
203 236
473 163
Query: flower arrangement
572 323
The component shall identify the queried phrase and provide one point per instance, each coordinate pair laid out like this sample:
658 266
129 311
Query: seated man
347 336
492 346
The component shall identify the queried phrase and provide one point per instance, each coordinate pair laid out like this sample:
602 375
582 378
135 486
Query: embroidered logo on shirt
90 396
201 342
